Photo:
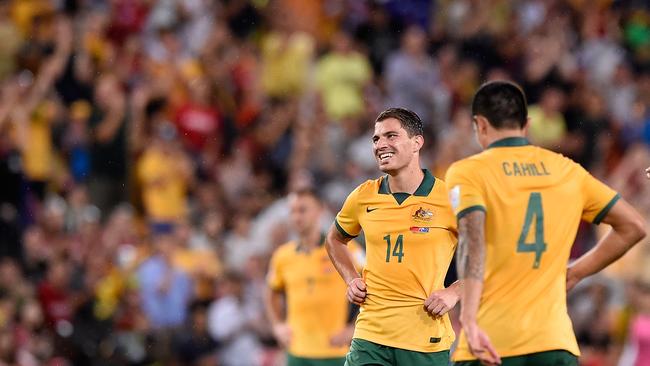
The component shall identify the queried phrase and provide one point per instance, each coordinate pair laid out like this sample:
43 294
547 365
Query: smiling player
410 233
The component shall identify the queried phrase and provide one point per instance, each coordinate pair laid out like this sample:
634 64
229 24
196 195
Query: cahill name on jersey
534 200
410 241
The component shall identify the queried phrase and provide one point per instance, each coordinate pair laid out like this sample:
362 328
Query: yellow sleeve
274 278
598 198
465 194
347 220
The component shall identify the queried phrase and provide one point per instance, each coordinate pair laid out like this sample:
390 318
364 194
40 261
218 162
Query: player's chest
414 215
310 271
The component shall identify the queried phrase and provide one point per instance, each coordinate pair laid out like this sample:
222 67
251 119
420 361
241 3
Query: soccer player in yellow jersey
318 325
518 209
410 233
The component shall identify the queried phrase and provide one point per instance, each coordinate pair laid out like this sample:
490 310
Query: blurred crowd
146 147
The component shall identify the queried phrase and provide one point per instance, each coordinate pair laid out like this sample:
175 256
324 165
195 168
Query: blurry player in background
647 172
410 233
518 209
319 321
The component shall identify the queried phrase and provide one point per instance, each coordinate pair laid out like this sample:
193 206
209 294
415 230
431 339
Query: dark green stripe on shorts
548 358
364 353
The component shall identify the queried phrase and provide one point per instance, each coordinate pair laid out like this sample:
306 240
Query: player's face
393 147
305 212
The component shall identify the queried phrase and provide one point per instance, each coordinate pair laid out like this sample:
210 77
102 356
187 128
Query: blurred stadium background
146 147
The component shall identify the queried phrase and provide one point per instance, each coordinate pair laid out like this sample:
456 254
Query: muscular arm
471 263
628 227
336 245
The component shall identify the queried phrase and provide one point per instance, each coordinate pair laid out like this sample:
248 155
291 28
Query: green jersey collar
423 190
510 142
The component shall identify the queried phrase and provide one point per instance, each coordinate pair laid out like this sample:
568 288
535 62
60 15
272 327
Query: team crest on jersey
422 214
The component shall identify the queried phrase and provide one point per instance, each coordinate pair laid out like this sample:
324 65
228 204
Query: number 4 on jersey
533 212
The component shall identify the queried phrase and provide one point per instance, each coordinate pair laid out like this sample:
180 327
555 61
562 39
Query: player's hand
342 338
357 291
480 345
441 301
282 333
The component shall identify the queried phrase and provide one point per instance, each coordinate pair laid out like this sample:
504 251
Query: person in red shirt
55 296
197 120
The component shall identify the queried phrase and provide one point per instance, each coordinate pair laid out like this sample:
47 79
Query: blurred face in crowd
341 42
305 211
552 100
200 89
59 274
393 148
106 88
414 40
31 314
213 224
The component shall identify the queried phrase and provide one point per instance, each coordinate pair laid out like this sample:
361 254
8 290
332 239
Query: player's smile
384 157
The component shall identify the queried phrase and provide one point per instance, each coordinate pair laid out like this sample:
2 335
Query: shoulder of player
467 165
285 250
370 186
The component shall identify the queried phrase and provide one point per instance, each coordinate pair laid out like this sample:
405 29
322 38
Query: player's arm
628 228
274 304
336 245
470 261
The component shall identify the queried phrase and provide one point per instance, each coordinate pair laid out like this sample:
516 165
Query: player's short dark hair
409 120
307 191
502 103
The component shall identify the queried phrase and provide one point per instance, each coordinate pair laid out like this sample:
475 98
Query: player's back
534 200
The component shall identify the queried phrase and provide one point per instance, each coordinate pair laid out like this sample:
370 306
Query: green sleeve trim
601 215
342 231
469 209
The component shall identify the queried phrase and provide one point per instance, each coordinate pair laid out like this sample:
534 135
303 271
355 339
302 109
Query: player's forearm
273 305
471 262
470 300
340 256
611 247
628 227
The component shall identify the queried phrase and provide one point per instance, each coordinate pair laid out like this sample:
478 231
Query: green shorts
548 358
363 353
303 361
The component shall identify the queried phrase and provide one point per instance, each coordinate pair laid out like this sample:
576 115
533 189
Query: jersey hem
601 215
404 346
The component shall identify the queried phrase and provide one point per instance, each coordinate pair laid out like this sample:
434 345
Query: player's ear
482 124
419 142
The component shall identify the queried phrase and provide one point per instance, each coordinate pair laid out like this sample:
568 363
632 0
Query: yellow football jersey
317 307
410 241
164 191
534 200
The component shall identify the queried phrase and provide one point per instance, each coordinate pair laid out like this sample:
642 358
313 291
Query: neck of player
406 180
309 239
495 135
